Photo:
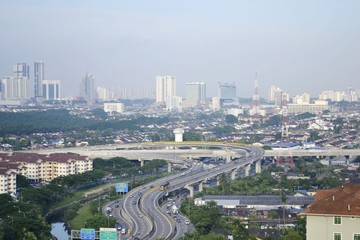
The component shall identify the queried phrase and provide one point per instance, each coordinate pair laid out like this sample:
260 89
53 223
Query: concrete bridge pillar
233 174
258 166
218 180
142 162
191 189
247 170
228 156
201 186
169 167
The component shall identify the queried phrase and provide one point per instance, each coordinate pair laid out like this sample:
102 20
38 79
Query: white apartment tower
165 87
51 89
195 91
39 77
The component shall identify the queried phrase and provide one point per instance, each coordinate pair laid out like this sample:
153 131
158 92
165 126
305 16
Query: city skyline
300 47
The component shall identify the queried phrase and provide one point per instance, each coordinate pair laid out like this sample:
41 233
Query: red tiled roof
343 200
21 157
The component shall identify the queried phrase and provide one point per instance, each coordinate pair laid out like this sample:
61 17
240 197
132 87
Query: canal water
59 231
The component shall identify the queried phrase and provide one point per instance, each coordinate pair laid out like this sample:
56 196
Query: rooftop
342 200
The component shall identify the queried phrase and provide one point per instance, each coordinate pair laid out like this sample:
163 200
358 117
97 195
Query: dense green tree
273 121
99 220
230 119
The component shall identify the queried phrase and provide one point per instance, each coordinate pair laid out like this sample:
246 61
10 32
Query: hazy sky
299 46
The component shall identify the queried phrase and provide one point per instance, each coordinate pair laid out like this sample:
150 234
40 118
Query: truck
164 186
174 209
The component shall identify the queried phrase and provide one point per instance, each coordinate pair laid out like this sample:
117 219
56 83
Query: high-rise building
165 87
87 88
227 94
21 70
227 91
51 89
195 91
39 77
15 88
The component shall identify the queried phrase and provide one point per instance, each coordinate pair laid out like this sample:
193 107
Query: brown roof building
335 214
39 167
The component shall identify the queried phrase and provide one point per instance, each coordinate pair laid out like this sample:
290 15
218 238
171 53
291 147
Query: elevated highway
311 152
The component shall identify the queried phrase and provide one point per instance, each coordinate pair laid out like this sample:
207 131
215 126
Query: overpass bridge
311 152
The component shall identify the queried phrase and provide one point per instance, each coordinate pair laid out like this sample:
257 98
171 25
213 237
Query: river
58 230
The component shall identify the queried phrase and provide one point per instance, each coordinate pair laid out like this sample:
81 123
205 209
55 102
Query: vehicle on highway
118 226
131 196
134 202
140 216
164 186
187 222
117 205
123 230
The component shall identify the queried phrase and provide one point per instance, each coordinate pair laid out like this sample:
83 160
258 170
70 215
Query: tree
292 235
238 230
231 119
224 184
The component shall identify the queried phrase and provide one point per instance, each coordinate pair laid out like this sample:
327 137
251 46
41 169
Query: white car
187 222
123 230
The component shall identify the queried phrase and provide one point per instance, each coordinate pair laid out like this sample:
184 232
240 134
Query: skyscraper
51 89
165 87
21 70
227 91
195 91
39 77
87 88
15 88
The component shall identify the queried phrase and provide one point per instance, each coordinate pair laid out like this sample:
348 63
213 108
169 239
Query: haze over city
306 46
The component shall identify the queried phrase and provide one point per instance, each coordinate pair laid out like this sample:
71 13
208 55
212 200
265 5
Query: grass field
83 214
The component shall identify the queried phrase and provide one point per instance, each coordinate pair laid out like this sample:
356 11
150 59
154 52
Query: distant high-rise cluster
18 87
350 95
165 87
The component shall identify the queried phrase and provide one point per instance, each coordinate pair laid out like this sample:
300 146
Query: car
131 196
110 215
116 201
139 193
117 205
187 222
118 226
123 231
140 216
178 220
134 202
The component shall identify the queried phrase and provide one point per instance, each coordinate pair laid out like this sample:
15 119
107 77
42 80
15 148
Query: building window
356 236
337 236
337 220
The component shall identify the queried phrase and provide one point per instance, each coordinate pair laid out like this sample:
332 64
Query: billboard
122 187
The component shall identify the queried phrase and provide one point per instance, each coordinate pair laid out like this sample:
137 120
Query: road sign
122 187
108 234
87 233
